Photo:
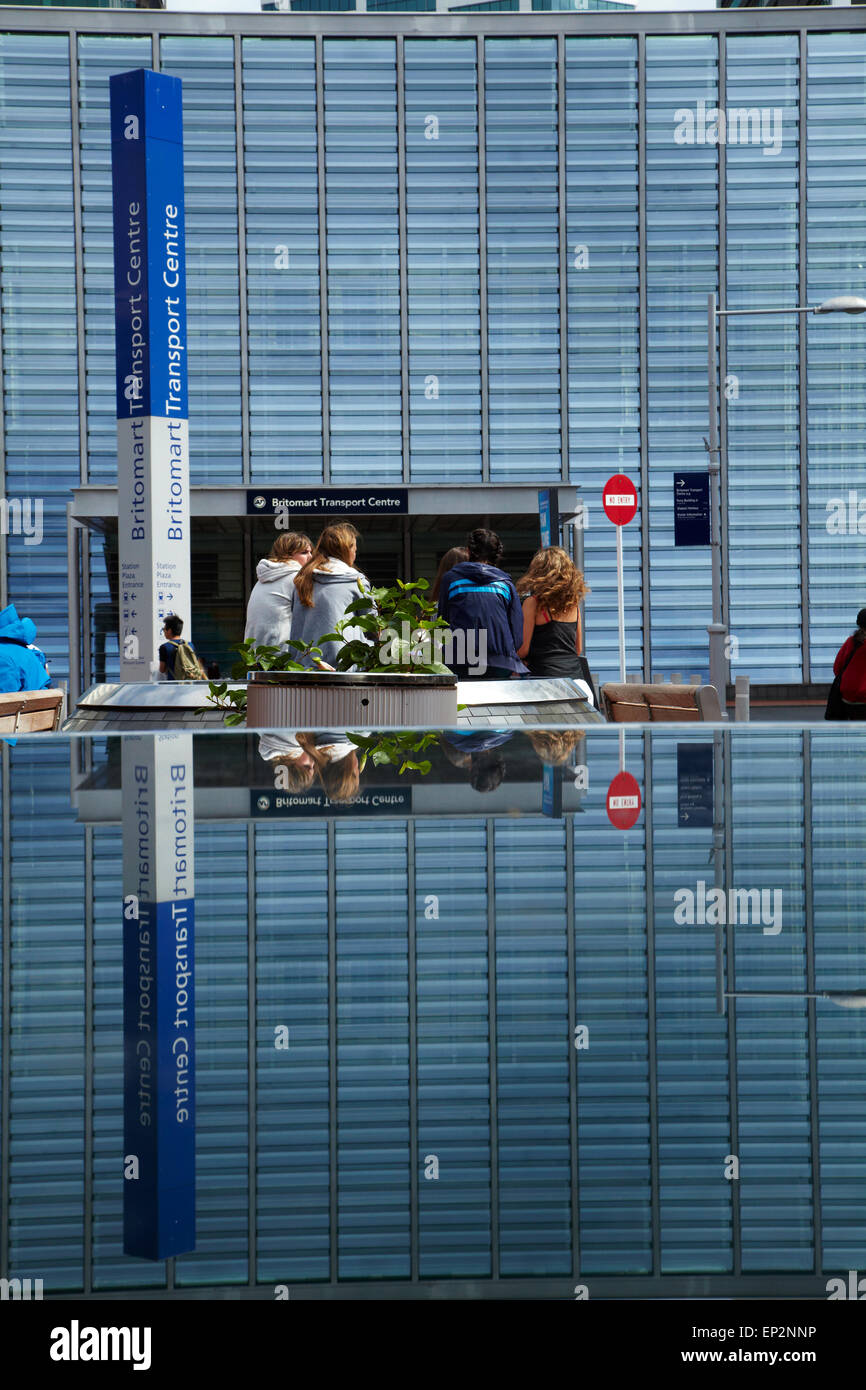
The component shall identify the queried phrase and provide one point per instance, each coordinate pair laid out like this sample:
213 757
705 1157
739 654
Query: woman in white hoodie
325 587
269 611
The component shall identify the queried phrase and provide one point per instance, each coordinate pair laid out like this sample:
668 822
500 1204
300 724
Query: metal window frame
481 89
243 304
803 358
403 261
322 218
429 24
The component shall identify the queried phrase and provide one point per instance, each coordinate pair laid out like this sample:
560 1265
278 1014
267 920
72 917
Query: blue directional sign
694 785
548 516
692 509
151 352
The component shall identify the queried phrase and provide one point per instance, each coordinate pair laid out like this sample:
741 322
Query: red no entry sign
623 801
619 499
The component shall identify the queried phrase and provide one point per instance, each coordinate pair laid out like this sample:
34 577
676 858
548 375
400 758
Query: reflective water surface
271 1018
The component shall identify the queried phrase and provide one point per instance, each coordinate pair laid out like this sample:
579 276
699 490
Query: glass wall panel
835 237
282 260
111 1268
532 1049
453 1047
372 989
46 1063
292 1085
98 60
223 1027
523 258
761 375
838 841
443 259
206 67
682 212
694 1100
603 331
773 1085
363 259
37 294
612 997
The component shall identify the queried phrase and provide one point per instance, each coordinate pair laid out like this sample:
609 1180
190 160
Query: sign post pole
619 500
620 598
151 346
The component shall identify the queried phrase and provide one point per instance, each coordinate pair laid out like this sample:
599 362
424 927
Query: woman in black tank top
552 636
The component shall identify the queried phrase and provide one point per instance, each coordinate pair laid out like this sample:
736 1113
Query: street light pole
716 629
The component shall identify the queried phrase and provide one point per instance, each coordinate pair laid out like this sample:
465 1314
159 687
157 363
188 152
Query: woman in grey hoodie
269 611
325 587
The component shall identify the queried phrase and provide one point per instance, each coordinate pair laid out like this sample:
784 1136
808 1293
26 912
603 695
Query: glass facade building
465 262
482 260
469 257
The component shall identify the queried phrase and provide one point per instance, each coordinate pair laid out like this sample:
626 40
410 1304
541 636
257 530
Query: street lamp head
854 999
842 304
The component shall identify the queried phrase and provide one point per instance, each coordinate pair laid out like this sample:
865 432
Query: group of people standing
530 628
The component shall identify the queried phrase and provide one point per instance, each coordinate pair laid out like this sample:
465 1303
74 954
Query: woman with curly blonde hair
552 630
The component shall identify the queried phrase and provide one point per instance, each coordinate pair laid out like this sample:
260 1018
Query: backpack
187 666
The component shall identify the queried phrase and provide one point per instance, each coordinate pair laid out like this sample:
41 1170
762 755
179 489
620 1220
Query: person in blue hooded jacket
22 666
480 601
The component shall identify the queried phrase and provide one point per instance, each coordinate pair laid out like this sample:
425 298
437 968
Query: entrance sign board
151 351
328 501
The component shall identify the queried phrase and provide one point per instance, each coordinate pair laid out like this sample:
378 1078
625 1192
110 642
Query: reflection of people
336 761
325 587
269 611
22 666
555 746
552 636
850 665
477 750
297 766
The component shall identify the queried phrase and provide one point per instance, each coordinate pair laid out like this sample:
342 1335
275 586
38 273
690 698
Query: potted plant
391 675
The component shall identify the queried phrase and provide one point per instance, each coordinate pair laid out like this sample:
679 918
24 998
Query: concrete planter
350 700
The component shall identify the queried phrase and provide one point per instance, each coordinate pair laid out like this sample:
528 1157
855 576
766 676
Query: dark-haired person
850 665
171 631
479 602
552 637
269 611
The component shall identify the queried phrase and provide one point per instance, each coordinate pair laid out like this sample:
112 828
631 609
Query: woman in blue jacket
481 606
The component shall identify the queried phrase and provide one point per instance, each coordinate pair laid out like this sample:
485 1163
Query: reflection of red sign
623 801
619 499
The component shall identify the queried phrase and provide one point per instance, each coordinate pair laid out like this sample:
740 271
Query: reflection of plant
256 657
393 749
398 626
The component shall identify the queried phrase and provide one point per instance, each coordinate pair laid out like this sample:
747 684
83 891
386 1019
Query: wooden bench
661 704
30 711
